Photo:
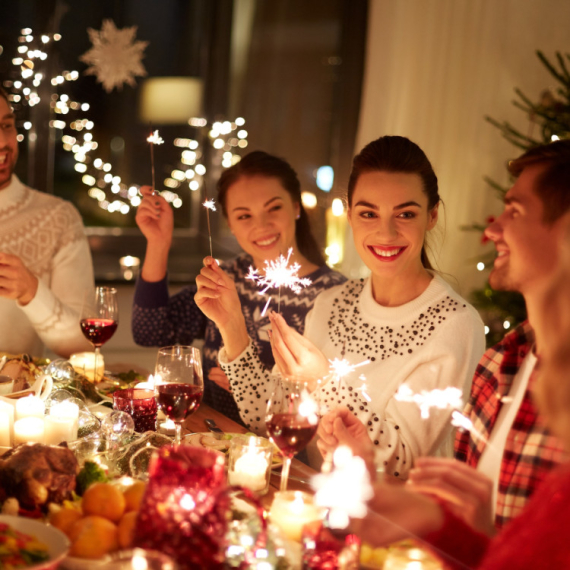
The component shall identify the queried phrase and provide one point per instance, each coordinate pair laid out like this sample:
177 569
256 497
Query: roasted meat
38 474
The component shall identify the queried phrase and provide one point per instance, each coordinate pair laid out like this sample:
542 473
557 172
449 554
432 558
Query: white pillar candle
62 423
291 511
29 430
84 363
249 470
6 425
30 407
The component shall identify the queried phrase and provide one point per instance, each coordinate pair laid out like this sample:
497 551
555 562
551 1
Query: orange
133 495
104 500
93 537
127 529
65 518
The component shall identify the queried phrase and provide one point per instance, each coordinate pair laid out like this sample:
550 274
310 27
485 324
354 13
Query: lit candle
6 424
62 423
29 430
84 363
249 465
291 511
30 407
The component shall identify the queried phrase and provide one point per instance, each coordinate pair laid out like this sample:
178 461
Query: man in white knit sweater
45 262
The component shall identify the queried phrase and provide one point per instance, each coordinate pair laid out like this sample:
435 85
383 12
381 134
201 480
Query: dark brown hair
4 95
396 154
553 184
259 163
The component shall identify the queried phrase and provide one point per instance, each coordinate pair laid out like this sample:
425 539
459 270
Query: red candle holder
140 405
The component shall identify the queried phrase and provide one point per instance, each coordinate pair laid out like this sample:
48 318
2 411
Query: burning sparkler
278 274
153 139
340 368
427 399
209 205
345 490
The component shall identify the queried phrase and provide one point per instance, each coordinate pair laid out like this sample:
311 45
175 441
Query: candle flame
155 138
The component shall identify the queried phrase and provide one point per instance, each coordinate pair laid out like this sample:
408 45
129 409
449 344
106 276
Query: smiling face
526 253
261 214
389 218
8 143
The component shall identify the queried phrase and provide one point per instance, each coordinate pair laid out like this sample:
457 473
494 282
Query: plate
56 542
221 442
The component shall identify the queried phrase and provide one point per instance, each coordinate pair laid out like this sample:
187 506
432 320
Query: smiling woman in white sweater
406 320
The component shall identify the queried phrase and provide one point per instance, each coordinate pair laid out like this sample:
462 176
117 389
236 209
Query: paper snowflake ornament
115 57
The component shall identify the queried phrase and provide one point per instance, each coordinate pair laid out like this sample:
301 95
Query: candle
84 363
249 463
62 423
291 511
29 430
30 407
6 424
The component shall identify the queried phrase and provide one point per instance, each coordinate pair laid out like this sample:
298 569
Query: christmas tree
549 121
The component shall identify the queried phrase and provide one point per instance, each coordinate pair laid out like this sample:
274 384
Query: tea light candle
291 511
6 424
29 430
30 407
62 423
84 363
250 469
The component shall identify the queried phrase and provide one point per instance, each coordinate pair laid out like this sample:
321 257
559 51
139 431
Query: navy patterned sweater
161 320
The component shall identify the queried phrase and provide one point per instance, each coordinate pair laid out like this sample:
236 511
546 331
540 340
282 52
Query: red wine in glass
98 331
290 432
178 401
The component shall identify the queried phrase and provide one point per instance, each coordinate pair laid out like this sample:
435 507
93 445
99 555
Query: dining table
299 474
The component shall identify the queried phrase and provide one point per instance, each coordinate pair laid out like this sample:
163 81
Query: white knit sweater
434 341
47 234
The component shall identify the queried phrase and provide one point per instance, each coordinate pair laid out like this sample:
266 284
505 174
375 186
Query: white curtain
434 69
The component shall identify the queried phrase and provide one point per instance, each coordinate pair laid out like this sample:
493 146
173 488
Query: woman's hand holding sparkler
155 220
468 493
296 355
217 298
341 427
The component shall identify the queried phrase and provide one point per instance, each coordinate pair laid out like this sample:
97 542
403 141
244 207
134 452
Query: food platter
57 543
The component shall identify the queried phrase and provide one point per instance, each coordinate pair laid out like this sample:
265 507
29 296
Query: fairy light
279 274
427 399
345 490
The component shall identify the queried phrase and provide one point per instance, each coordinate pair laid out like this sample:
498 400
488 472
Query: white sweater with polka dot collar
432 342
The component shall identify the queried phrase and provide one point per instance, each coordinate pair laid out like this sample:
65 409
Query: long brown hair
259 163
396 154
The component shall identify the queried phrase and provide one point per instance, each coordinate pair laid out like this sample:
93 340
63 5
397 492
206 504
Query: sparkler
278 274
340 368
427 399
463 422
345 490
153 139
209 205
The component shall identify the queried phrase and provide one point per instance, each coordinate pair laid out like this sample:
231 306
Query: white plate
56 542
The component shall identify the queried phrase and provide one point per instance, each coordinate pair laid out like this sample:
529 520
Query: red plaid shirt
530 450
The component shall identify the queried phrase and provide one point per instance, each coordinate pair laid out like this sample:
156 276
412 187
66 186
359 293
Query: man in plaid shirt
509 444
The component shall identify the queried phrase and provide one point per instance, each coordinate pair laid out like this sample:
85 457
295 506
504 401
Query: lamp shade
170 100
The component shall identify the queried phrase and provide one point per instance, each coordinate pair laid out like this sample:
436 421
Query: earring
298 216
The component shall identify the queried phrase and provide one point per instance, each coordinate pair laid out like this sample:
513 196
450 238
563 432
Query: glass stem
177 433
97 355
285 473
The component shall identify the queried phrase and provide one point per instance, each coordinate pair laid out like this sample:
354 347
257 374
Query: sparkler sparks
153 139
345 490
278 274
340 368
427 399
209 205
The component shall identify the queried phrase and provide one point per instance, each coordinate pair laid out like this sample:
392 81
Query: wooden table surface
195 423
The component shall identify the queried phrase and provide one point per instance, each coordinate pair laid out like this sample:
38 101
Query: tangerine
127 529
133 496
104 500
93 537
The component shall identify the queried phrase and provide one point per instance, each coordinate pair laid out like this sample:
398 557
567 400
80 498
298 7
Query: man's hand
342 427
467 492
16 280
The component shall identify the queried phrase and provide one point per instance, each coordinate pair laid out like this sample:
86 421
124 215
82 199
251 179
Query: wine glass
99 319
179 384
291 419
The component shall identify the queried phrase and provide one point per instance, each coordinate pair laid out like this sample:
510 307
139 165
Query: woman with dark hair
405 320
260 197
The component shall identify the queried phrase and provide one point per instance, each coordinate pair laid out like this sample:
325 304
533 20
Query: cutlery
212 426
